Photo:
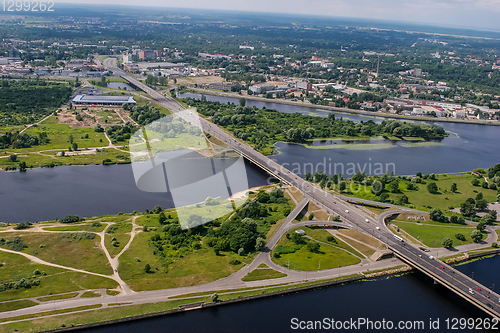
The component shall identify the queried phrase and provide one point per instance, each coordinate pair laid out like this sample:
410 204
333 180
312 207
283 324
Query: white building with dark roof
103 100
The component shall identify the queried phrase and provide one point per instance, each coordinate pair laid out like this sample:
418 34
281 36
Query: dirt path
114 263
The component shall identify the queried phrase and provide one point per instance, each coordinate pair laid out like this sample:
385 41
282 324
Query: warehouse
101 100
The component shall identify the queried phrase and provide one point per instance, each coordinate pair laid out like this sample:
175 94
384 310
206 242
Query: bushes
71 219
23 225
313 247
23 283
437 215
15 244
78 236
234 262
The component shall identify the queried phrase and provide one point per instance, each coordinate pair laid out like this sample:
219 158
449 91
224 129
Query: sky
471 14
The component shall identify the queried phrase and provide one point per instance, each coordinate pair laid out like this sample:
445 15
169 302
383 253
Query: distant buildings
260 89
224 85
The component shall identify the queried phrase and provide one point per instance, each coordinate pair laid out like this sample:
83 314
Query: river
45 194
410 297
468 146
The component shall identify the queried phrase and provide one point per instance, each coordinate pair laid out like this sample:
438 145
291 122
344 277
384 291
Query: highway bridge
459 283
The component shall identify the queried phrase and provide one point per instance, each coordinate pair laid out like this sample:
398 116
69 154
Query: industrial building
103 100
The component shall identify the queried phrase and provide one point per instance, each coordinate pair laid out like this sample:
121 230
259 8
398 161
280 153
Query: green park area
301 253
61 248
417 195
432 235
36 280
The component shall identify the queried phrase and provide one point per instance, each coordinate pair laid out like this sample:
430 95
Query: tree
454 187
145 228
156 210
70 138
313 247
481 226
12 158
479 196
147 269
432 188
75 146
460 237
437 215
461 220
404 199
297 238
476 236
454 219
342 186
311 216
22 166
242 101
377 187
161 218
489 219
475 182
447 242
393 186
260 243
467 209
215 297
481 204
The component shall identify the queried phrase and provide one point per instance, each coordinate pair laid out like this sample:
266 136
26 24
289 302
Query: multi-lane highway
332 203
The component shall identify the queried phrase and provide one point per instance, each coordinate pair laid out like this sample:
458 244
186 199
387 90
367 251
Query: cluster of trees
145 114
15 244
263 126
71 219
23 140
119 133
21 284
170 127
78 236
468 208
26 101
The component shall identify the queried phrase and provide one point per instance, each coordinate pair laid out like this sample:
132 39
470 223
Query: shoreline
344 110
200 305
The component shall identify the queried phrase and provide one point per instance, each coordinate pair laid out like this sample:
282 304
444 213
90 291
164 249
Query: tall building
417 72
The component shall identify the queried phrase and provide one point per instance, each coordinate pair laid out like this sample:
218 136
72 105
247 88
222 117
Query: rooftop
99 99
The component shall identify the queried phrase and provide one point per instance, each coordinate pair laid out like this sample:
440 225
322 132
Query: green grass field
422 198
432 236
327 257
56 281
262 274
321 235
56 297
80 227
58 134
16 305
55 248
198 267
